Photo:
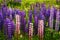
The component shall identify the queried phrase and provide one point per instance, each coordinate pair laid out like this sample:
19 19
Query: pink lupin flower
41 29
30 31
17 29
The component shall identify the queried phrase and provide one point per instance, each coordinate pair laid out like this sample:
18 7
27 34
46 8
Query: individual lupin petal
57 21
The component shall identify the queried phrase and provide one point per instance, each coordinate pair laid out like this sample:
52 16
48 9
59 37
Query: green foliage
51 34
2 37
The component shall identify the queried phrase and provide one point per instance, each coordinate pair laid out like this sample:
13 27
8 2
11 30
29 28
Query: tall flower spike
4 11
1 20
30 15
10 11
30 31
47 13
35 25
41 16
41 29
43 9
17 29
8 29
51 17
57 21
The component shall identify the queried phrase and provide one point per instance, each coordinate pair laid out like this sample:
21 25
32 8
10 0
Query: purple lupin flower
37 4
47 13
13 27
35 24
13 14
24 24
1 20
23 20
41 16
55 11
28 25
30 15
4 11
57 21
22 16
43 9
51 17
35 11
59 15
9 13
5 26
8 29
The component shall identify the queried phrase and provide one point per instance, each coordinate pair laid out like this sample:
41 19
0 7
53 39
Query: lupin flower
23 20
22 16
41 16
51 17
57 21
35 25
36 20
43 9
41 29
28 25
9 13
30 31
4 11
1 20
8 28
24 25
37 4
13 27
47 13
35 11
30 15
55 11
